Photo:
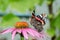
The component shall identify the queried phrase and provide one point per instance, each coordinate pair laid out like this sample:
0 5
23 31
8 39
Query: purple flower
22 28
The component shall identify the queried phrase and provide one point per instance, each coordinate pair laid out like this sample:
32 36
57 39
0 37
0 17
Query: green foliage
50 16
9 20
3 4
41 2
50 1
54 23
58 38
57 21
23 5
8 17
51 32
19 5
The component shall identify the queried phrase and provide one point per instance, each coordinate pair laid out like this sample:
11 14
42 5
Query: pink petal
24 33
8 30
19 30
13 34
42 33
35 32
30 32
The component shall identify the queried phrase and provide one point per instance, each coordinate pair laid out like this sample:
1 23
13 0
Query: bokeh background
12 11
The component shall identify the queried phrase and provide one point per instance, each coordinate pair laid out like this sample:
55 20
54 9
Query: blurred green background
12 11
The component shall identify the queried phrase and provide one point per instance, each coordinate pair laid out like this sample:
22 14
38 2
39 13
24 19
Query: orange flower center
21 25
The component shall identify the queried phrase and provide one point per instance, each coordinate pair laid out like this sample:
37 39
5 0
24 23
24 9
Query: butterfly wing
37 25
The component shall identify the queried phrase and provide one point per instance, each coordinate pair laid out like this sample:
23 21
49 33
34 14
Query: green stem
21 37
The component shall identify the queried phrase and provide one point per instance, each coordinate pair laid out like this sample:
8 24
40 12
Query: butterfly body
37 22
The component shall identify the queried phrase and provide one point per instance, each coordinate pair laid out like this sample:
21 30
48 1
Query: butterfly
37 21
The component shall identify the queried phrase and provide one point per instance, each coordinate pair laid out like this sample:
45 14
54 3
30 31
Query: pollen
21 25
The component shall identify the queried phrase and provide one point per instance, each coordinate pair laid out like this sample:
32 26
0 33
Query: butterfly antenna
33 13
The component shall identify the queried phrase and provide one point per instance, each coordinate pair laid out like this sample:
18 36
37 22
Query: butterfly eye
39 16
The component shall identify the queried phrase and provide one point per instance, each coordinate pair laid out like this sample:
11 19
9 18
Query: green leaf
57 21
50 16
19 5
52 20
50 1
8 17
4 5
52 24
58 38
14 0
23 5
51 32
9 20
41 2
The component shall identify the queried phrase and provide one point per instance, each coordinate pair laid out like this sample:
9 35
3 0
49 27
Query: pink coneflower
22 28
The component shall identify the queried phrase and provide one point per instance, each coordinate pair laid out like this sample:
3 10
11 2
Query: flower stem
22 37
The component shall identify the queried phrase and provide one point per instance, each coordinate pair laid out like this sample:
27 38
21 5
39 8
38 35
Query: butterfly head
39 18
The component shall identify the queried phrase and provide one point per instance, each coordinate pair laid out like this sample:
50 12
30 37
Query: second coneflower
23 29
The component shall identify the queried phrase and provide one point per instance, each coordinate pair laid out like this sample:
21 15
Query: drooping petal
35 32
30 32
19 30
42 33
24 33
13 34
8 30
